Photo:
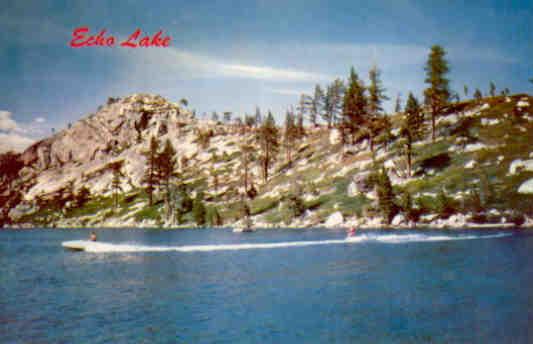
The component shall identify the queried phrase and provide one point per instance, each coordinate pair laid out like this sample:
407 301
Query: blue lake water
175 286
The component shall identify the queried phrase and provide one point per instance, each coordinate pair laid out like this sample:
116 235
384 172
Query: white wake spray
91 246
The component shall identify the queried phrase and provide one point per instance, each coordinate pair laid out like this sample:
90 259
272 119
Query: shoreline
420 227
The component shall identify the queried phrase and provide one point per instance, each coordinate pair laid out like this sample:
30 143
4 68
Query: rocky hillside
479 170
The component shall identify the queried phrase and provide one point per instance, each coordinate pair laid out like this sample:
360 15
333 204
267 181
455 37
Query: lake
271 286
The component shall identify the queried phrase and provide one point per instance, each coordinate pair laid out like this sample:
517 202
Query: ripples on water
269 286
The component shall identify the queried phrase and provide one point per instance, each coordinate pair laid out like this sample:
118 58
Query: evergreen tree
407 207
385 196
376 96
316 106
115 182
151 178
492 89
385 136
295 205
376 93
184 203
267 138
258 117
354 114
465 88
303 108
213 217
477 94
249 121
445 205
290 135
333 102
437 94
227 117
398 104
167 165
198 210
247 156
244 211
412 127
214 116
184 102
252 191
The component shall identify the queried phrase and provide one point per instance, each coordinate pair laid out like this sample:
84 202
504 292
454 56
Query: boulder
522 103
520 165
20 210
526 187
335 219
352 189
470 164
398 220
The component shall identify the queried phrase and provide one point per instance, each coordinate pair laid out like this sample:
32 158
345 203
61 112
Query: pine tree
333 102
214 116
213 217
303 108
244 211
376 93
198 210
316 106
151 178
249 121
376 96
267 138
477 94
465 88
398 104
385 136
492 89
290 135
445 205
258 117
412 127
167 165
385 196
227 117
437 94
247 156
407 207
354 114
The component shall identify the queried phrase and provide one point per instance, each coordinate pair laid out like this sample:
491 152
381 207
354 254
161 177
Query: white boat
76 245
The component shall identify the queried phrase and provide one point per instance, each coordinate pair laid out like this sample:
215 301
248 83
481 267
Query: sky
236 55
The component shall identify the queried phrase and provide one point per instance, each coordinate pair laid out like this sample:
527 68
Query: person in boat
92 237
352 231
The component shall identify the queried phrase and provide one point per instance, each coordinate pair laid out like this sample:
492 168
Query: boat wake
91 246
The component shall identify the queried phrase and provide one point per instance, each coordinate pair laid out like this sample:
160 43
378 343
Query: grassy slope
322 175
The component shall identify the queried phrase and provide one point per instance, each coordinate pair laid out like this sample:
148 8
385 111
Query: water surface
271 286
